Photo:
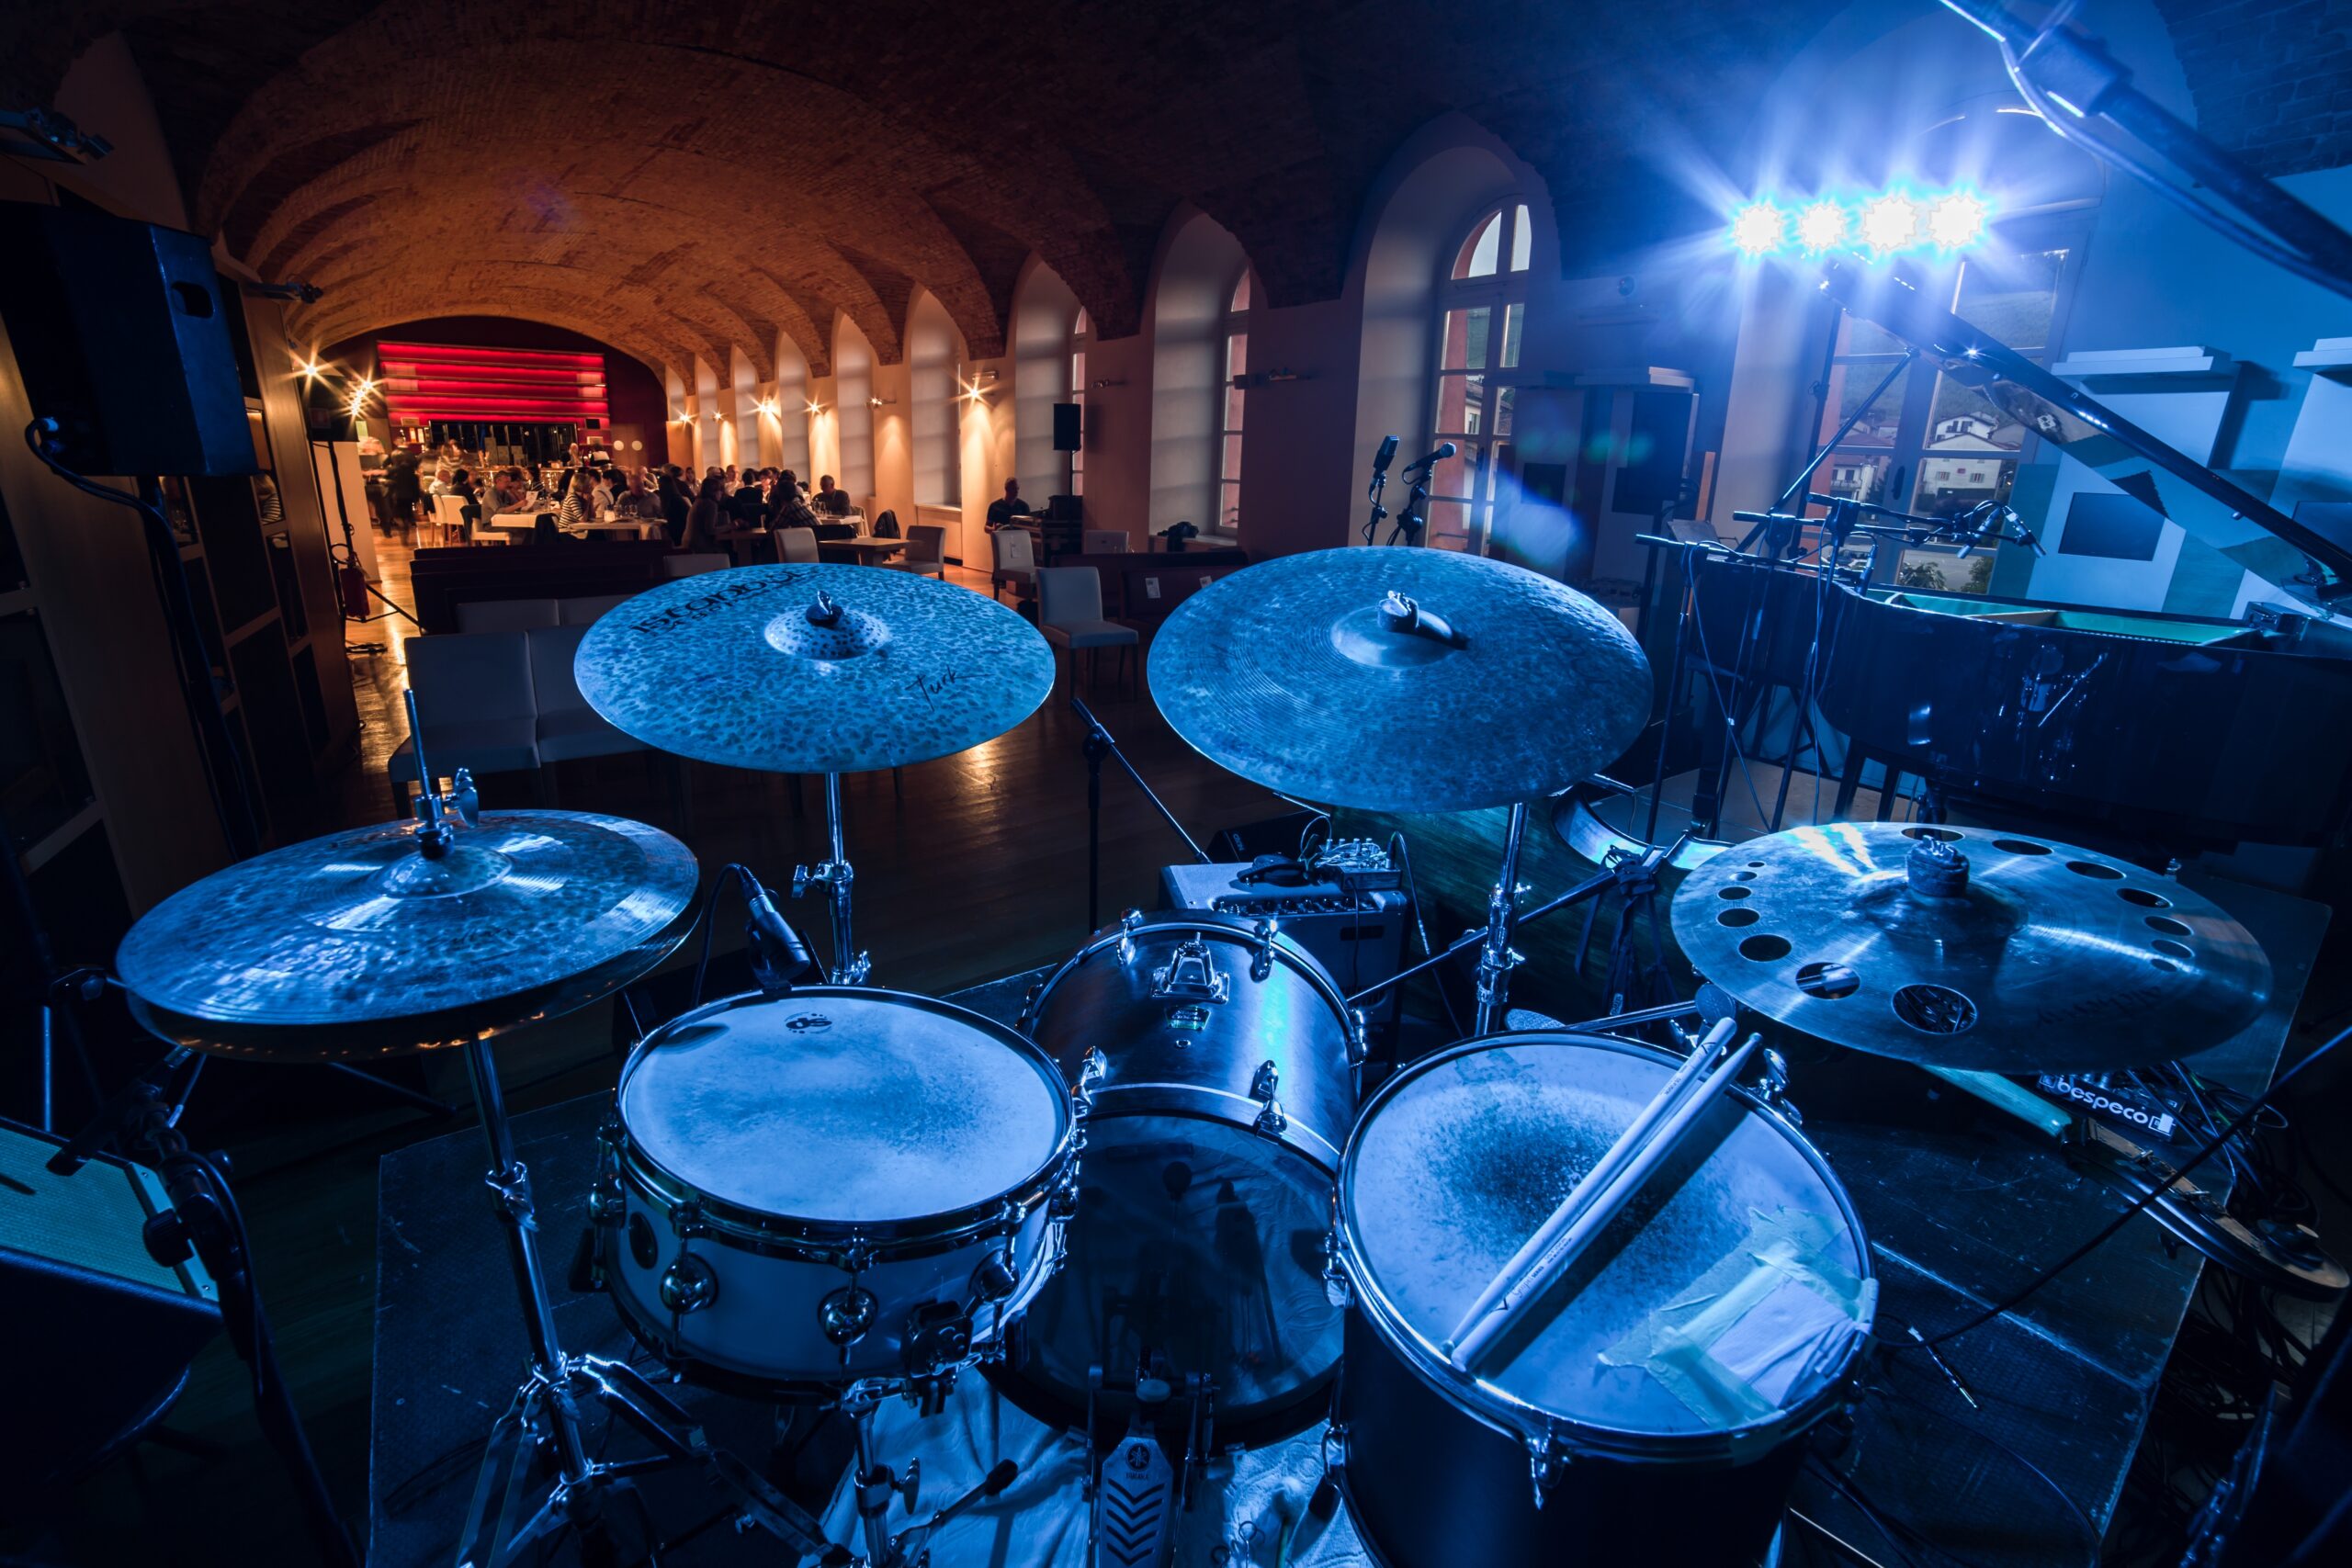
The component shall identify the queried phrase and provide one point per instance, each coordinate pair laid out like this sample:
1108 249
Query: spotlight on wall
309 369
1876 225
767 406
815 407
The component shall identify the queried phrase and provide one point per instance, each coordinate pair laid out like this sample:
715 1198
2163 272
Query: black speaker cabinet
99 1335
1065 427
121 333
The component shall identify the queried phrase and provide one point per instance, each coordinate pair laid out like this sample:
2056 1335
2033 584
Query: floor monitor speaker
121 333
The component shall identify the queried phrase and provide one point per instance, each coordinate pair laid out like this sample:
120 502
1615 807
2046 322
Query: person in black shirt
1011 506
828 499
748 504
675 504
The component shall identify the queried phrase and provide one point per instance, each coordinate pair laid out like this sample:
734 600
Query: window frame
1233 345
1484 451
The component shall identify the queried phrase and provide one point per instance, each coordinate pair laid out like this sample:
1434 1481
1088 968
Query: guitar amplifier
1356 932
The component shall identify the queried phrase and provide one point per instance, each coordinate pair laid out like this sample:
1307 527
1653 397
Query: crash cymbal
1478 684
813 669
1970 948
358 944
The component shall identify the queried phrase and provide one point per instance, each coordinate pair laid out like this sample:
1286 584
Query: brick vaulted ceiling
678 179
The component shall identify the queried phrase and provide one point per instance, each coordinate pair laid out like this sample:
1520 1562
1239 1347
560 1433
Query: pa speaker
1065 427
121 333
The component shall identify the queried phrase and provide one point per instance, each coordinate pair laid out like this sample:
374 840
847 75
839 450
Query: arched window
1482 321
1080 336
1237 360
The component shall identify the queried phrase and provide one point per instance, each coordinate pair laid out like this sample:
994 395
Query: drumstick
1602 1209
1628 1143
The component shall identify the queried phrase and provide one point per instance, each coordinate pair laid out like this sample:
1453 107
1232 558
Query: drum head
1201 1241
845 1107
1698 1310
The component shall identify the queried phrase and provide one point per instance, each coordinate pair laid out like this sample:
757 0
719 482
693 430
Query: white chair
587 611
481 533
1103 542
505 615
926 551
566 727
1016 562
799 545
1070 613
473 693
692 565
449 512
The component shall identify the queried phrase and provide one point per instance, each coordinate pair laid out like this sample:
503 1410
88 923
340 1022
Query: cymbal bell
359 945
1400 679
1970 948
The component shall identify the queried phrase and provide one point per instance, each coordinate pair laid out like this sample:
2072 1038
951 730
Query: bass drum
1214 1059
1662 1394
837 1184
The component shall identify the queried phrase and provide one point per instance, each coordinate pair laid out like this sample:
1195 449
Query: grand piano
2172 732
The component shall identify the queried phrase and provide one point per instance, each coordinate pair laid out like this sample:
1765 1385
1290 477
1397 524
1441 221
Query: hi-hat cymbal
357 944
1400 679
2024 955
813 669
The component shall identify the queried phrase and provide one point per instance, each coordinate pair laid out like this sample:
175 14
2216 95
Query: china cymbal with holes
1970 948
359 945
1400 679
813 669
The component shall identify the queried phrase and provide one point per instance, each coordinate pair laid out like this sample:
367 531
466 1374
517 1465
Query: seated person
462 485
636 500
827 499
786 508
507 494
1004 511
580 507
748 504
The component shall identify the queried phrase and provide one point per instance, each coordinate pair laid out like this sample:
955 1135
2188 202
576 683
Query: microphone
1386 455
778 955
1444 450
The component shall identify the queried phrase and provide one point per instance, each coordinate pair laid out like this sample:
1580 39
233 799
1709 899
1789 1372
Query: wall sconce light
883 402
815 407
309 369
766 406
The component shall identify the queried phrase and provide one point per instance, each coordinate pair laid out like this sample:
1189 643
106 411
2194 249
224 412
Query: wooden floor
976 868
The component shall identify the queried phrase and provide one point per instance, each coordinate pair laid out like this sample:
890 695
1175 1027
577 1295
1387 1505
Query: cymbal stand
849 967
1099 746
1497 958
545 1413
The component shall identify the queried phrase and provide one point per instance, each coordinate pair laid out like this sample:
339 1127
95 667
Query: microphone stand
1409 522
1100 745
1379 512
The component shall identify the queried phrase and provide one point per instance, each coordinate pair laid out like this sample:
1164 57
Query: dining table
862 549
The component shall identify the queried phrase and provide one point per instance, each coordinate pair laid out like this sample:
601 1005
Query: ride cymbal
813 669
1970 948
359 945
1400 679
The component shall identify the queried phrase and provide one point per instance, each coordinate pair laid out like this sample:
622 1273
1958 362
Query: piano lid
2258 537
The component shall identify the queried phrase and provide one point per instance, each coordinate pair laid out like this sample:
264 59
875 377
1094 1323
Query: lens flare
1891 224
1957 220
1757 228
1822 226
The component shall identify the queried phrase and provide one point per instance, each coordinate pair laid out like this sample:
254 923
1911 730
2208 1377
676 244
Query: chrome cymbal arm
1496 958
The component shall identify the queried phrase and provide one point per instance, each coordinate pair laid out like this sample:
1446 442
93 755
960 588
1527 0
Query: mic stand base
1100 745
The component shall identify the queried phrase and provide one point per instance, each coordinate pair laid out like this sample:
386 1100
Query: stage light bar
1875 225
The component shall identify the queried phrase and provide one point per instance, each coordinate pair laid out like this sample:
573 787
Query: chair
587 610
449 516
479 532
1103 542
1070 613
753 548
886 526
565 727
1016 562
692 565
473 693
926 551
799 545
506 614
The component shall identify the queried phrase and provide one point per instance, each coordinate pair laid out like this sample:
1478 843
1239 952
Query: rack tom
1215 1060
1654 1405
843 1183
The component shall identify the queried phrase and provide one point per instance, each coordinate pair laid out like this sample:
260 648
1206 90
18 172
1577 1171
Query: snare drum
1215 1059
1659 1398
843 1183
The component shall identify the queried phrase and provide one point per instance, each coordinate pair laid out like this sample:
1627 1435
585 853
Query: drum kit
1554 1295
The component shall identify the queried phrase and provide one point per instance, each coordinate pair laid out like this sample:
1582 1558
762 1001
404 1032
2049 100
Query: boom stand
1100 745
850 967
546 1412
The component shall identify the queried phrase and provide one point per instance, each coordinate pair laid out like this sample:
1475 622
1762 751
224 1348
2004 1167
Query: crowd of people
693 514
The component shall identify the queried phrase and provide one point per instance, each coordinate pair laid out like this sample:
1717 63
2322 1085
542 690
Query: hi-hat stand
1099 746
835 876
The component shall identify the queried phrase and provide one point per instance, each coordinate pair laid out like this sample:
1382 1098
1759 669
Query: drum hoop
1513 1416
1197 1102
1229 928
790 1235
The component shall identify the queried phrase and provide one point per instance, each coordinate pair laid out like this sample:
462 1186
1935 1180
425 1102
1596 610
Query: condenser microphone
1387 455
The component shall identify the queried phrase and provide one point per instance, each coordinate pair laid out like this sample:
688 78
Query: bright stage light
1889 223
1956 220
1822 226
1758 228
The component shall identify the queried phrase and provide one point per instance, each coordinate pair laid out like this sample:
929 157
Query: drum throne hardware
820 668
